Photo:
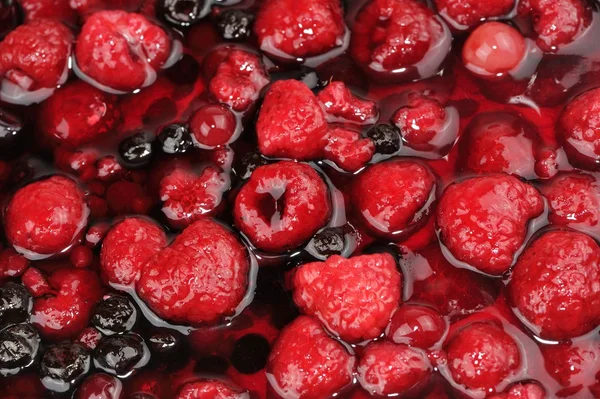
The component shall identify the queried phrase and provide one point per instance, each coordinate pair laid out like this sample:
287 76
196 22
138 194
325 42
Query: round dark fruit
19 345
114 315
121 354
235 24
63 366
165 342
15 304
329 241
183 13
136 150
386 139
175 139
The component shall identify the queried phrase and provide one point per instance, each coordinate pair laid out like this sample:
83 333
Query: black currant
235 24
114 315
329 241
183 13
63 366
121 354
19 345
15 304
175 139
136 150
386 139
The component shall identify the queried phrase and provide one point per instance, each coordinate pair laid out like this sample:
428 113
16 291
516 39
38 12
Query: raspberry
572 364
483 220
85 8
416 325
201 277
466 14
354 298
343 106
12 264
213 125
127 246
394 198
238 80
522 390
579 130
291 123
49 40
78 113
282 205
45 217
188 197
35 282
306 363
63 315
557 275
89 338
389 369
481 356
209 389
121 50
291 29
100 386
48 9
347 149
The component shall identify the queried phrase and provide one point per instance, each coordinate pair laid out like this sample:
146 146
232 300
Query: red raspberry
481 356
35 282
292 29
416 325
463 14
579 130
306 363
347 149
100 386
63 315
78 113
210 389
89 337
121 50
85 8
201 277
12 264
238 80
127 246
188 197
282 205
483 220
391 36
354 298
557 275
394 198
48 9
291 123
213 125
343 106
49 40
45 217
522 390
388 369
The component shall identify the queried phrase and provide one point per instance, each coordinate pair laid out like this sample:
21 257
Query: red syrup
475 125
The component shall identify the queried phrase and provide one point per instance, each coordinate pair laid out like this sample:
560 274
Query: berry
35 282
77 114
416 325
136 150
557 275
165 342
209 389
347 149
394 198
213 125
9 17
175 139
250 353
81 256
59 10
329 241
291 123
15 304
522 390
180 282
12 130
100 386
127 246
19 348
483 221
120 355
289 29
114 315
234 24
343 106
389 369
481 356
282 205
121 50
467 14
306 363
89 337
579 130
12 264
354 298
302 73
385 138
572 364
183 13
63 366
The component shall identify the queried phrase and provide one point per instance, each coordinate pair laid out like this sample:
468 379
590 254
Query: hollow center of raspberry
272 204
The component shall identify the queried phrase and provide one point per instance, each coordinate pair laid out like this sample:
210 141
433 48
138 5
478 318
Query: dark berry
250 353
212 364
304 74
135 150
329 241
183 13
114 315
165 342
19 346
63 366
249 163
11 128
386 139
10 16
175 139
235 24
15 304
121 354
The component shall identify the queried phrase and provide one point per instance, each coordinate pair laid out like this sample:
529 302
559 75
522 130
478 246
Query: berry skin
306 363
579 130
416 325
483 220
179 283
63 366
182 13
127 246
15 304
19 349
77 114
136 151
119 49
299 29
213 125
89 337
210 389
235 24
572 364
420 121
385 138
282 205
35 55
387 369
354 298
12 264
343 106
120 355
35 282
100 386
291 123
347 149
481 356
114 315
45 217
394 198
58 10
175 139
522 390
557 275
467 14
